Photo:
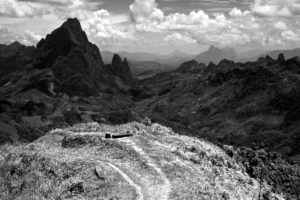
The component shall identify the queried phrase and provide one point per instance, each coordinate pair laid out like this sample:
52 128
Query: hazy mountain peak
215 54
213 48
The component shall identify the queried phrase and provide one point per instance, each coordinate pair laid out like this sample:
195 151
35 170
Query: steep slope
214 54
60 82
76 63
155 163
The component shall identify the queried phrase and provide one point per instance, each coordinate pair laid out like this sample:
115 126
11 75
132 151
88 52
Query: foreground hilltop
154 163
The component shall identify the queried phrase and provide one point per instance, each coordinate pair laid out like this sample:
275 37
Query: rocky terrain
247 104
249 112
60 82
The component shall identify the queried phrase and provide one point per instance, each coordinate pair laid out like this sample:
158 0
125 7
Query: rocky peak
117 61
267 61
281 58
125 62
69 37
211 64
120 67
70 34
215 54
212 48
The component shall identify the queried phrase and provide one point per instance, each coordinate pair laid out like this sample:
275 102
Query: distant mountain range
175 58
144 65
214 54
287 53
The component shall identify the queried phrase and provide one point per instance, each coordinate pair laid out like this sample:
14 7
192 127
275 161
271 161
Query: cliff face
45 86
71 56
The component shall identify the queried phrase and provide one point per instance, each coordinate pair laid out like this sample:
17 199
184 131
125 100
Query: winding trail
163 191
138 188
148 185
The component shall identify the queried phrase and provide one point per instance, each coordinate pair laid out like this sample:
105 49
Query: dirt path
161 191
152 185
138 189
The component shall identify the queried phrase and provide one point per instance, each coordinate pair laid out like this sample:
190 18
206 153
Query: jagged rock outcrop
70 55
281 59
62 78
120 67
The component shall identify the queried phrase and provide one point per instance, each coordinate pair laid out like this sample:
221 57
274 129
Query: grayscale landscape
149 100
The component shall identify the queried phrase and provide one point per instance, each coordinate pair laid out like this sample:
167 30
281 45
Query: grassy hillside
155 163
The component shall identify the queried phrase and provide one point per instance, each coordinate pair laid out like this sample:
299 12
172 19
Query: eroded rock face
121 68
34 82
69 53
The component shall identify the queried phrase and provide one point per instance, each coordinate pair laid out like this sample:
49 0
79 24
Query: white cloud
269 22
5 36
280 25
145 10
31 38
103 28
13 8
242 28
273 8
235 12
179 38
290 36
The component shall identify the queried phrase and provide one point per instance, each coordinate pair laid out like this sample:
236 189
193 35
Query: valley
194 125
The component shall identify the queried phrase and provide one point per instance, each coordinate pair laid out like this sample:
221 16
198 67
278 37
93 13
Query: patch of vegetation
271 167
34 176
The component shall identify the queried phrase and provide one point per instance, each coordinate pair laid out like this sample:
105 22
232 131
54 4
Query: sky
159 26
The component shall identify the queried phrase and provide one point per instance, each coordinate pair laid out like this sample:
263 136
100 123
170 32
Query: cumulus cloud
290 35
235 12
13 8
5 36
178 38
145 10
280 25
31 38
273 8
241 28
100 27
265 22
